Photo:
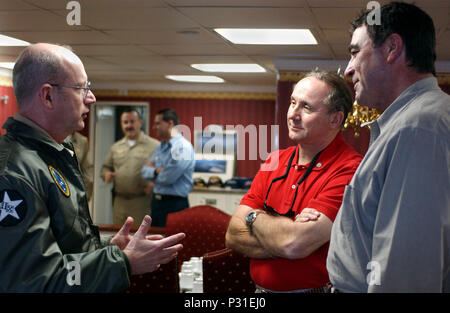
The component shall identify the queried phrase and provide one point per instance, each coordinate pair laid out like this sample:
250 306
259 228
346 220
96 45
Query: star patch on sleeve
12 208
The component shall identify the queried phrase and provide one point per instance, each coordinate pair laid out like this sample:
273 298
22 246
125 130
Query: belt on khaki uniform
167 197
128 196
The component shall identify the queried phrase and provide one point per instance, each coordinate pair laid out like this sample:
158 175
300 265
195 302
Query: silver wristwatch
251 217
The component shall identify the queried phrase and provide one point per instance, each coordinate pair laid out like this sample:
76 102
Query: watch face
250 218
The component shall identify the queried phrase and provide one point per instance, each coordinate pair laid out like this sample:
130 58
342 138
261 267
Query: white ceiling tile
130 18
98 4
191 59
153 64
66 37
110 50
164 37
212 17
14 5
297 50
11 51
36 20
139 41
338 36
360 4
335 18
193 49
239 3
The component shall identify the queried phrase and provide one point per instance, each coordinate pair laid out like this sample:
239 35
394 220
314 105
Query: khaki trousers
136 207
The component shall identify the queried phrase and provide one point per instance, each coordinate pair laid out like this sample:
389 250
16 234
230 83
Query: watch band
251 217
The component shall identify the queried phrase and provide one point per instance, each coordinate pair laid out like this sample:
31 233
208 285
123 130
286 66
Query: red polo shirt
322 190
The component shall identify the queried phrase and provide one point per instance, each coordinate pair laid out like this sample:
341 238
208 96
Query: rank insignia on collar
12 208
59 180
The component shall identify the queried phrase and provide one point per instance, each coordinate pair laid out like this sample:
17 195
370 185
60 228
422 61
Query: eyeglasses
86 89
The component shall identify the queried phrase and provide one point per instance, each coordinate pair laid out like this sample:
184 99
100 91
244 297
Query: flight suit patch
13 208
60 181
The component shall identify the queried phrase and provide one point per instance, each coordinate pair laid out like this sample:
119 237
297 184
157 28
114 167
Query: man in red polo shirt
286 252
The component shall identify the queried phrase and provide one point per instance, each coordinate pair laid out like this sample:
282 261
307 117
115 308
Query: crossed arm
166 175
278 236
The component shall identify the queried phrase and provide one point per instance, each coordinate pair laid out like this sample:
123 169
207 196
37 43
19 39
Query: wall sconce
359 116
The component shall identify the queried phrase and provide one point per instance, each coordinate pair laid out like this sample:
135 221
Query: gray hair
32 69
340 97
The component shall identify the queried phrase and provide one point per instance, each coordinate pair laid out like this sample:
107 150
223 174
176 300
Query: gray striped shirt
392 233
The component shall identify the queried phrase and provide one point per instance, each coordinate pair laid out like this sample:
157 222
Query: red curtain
232 112
284 91
7 109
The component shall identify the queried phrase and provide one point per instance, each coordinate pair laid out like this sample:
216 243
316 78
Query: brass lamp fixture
359 116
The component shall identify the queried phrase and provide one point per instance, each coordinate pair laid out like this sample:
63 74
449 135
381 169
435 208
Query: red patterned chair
205 228
226 271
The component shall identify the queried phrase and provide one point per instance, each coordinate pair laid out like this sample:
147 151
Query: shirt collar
20 118
171 141
402 102
140 139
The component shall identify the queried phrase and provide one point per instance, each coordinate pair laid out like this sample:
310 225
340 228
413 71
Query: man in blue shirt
170 168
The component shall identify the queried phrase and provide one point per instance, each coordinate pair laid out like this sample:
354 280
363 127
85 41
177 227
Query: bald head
38 64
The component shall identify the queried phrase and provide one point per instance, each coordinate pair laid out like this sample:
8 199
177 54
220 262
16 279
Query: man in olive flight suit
48 242
132 194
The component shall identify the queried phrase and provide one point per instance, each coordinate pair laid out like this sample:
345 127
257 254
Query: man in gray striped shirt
392 233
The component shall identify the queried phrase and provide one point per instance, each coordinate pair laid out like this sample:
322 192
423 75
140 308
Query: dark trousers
163 205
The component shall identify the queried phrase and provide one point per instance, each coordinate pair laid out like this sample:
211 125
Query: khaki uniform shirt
81 146
127 162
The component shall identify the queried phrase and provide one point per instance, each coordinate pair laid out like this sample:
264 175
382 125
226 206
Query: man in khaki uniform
81 145
123 166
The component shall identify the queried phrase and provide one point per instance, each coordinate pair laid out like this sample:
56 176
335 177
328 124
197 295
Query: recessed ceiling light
8 65
230 68
10 41
195 78
253 36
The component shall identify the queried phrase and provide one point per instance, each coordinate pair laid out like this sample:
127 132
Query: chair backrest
204 226
163 280
226 271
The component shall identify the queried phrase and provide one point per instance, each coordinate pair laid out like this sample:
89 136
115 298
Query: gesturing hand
148 187
123 237
109 177
147 253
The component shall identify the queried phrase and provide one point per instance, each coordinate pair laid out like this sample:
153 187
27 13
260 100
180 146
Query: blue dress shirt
177 159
